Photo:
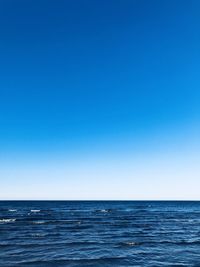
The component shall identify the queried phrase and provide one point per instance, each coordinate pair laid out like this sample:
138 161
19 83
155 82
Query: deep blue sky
79 73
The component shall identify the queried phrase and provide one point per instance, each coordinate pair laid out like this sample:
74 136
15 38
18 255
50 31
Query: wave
104 210
178 243
39 222
35 211
80 261
7 220
183 242
129 244
12 210
38 235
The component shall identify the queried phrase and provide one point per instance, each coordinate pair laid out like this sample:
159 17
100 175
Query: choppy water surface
53 233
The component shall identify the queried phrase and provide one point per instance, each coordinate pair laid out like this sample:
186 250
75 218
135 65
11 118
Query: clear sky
99 99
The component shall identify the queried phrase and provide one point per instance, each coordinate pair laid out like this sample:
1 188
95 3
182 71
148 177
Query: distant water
84 233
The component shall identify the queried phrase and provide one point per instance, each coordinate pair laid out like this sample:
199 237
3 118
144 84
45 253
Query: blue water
84 233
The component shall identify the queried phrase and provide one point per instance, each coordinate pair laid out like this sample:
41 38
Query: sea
99 233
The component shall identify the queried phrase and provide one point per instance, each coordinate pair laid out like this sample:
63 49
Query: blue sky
99 99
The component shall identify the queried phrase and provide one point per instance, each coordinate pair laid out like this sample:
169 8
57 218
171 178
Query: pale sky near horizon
99 99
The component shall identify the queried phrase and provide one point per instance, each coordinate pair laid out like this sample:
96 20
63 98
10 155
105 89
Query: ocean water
99 233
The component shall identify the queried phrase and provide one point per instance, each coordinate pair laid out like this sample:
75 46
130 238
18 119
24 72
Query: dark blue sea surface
99 233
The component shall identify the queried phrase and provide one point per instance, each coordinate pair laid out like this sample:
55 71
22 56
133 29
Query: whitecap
38 222
7 220
38 235
130 243
35 210
104 210
12 210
